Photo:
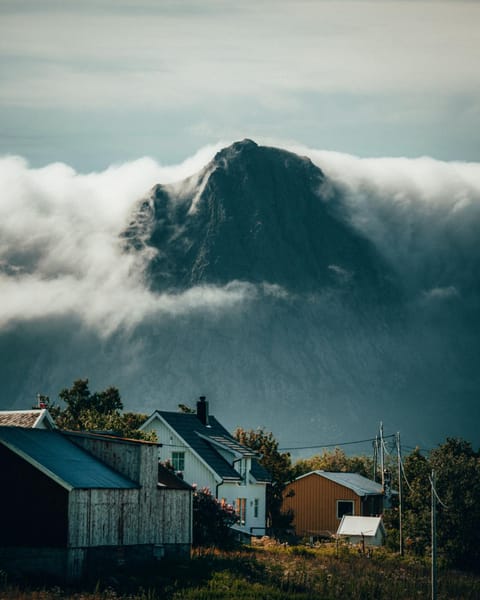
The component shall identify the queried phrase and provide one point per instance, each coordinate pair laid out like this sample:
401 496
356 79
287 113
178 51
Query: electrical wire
333 445
435 492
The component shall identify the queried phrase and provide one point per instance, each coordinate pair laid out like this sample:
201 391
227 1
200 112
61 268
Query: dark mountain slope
256 214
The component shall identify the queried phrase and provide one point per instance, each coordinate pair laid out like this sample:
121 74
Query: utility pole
375 458
400 498
434 537
382 459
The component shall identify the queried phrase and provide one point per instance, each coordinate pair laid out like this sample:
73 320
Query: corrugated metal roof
52 453
203 439
367 526
353 481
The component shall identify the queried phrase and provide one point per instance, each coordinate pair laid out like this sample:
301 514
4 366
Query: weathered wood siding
137 461
176 508
129 517
314 504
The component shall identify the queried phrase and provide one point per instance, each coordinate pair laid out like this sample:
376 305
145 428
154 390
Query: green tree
98 411
212 520
457 470
416 503
335 461
457 473
279 466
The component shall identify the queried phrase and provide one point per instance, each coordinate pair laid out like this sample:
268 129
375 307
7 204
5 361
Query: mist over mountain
313 300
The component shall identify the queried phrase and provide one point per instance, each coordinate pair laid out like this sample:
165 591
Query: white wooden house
73 503
207 456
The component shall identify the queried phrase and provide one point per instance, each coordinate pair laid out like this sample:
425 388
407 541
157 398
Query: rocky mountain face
324 340
255 214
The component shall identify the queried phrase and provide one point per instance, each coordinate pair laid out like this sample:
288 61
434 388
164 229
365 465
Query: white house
368 531
207 455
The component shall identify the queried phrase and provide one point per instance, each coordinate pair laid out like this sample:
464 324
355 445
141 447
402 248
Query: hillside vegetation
269 572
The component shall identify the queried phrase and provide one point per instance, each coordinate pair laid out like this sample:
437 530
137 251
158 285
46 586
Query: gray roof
62 460
353 481
203 440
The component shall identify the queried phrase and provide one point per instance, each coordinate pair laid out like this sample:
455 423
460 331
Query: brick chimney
202 410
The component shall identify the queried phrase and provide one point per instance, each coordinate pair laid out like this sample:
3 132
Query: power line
335 444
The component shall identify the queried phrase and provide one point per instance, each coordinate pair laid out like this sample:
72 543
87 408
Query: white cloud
60 250
61 254
423 214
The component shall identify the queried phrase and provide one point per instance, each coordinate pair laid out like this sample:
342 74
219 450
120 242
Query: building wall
135 460
315 504
230 492
195 472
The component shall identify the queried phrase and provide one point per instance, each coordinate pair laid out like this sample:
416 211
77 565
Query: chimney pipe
202 410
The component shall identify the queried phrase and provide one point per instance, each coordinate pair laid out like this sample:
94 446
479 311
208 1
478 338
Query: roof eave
68 486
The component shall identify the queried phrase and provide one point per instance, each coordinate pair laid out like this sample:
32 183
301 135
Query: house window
344 507
178 461
256 504
241 509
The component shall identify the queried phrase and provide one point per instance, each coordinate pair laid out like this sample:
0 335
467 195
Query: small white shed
367 530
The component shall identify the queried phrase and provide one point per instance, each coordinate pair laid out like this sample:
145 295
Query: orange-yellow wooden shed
320 499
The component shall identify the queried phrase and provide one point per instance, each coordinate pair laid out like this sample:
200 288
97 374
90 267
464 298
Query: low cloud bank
61 250
422 214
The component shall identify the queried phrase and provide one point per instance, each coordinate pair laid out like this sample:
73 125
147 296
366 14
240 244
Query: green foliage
335 461
97 411
212 520
278 464
457 471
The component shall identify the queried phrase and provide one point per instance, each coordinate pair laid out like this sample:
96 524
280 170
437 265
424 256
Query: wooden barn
75 503
320 499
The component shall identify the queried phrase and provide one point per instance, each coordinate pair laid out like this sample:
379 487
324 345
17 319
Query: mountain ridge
257 214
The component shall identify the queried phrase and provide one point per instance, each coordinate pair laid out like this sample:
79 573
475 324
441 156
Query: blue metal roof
353 481
56 456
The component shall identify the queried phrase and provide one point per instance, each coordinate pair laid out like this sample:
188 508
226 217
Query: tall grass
270 573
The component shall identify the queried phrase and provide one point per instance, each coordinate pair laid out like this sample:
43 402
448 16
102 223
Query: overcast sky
92 83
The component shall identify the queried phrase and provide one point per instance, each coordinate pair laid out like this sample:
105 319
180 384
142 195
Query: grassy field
266 573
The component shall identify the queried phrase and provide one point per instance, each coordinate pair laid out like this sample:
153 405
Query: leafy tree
212 520
98 411
335 461
457 473
277 463
457 469
416 503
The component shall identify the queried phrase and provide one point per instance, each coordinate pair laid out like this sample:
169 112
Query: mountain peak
257 214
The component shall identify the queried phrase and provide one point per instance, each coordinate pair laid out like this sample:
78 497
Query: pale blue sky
91 83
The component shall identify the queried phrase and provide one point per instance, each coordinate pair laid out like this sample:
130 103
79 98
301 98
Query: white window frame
241 510
352 502
178 460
